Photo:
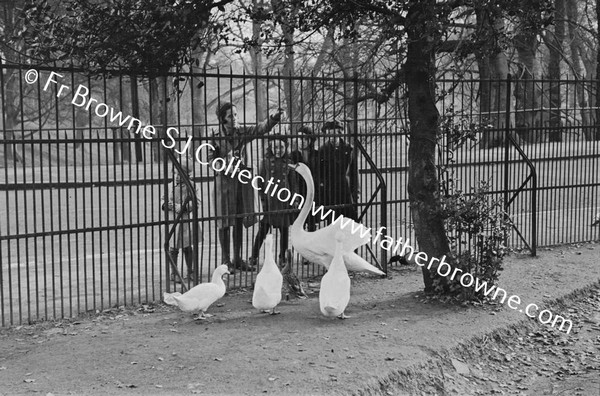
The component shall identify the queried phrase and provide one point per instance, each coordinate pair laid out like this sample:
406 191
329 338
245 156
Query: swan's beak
293 166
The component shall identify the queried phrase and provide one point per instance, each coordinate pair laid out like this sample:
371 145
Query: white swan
267 288
334 294
319 246
201 296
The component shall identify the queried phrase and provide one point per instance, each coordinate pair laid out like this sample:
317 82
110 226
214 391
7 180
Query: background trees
409 42
141 38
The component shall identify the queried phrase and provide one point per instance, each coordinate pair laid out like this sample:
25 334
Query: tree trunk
135 113
597 133
555 43
423 184
311 95
493 71
293 102
527 95
198 89
576 62
10 82
260 86
159 93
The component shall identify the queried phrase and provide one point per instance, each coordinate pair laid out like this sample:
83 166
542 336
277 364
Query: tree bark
576 63
555 46
423 184
596 133
291 87
527 95
260 86
10 82
493 71
135 112
159 93
198 89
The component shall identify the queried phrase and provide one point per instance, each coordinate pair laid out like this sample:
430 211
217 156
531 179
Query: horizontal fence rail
81 188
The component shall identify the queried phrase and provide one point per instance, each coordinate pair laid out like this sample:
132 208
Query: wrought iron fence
82 177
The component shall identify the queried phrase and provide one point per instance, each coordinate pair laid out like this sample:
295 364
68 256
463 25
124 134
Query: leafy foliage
146 37
476 224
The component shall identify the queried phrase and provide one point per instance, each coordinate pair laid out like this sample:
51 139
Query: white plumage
334 294
267 288
201 296
319 246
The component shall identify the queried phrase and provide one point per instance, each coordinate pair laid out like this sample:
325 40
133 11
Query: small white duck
267 288
334 294
201 296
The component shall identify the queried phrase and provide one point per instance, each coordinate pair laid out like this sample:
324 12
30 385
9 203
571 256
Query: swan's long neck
304 171
217 278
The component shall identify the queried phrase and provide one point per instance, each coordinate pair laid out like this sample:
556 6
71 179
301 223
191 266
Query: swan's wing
316 242
355 234
356 263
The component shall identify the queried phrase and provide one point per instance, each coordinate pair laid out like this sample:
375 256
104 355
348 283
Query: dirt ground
396 342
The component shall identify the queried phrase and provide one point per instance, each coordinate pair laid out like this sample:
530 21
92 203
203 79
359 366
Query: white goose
334 294
319 246
201 296
267 288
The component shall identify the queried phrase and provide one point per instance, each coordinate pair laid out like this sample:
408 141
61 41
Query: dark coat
231 196
278 169
336 170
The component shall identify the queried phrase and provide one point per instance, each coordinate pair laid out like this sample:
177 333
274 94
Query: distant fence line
81 197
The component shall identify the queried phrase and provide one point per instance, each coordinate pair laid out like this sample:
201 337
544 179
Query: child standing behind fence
274 165
177 202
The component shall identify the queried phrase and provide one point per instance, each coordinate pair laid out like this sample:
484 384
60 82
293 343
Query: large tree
420 25
420 30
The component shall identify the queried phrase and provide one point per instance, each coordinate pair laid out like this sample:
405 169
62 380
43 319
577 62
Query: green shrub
476 224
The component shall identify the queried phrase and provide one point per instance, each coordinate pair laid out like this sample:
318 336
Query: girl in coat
234 201
176 201
274 165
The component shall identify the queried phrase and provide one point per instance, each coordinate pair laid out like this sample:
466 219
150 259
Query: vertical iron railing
81 229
